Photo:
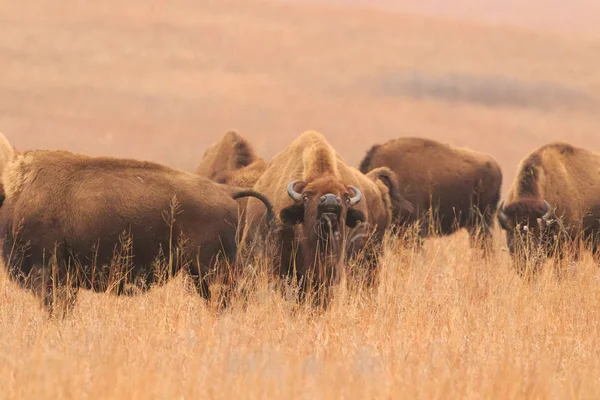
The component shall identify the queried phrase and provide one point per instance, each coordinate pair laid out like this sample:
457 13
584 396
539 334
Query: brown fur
82 205
462 186
232 161
568 178
382 195
311 158
6 153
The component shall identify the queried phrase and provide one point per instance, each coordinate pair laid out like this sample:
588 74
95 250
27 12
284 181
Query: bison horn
356 198
292 192
501 214
548 214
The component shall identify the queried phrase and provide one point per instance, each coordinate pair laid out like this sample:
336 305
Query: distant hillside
578 16
163 80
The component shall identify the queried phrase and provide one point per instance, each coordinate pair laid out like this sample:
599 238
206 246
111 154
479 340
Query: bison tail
256 195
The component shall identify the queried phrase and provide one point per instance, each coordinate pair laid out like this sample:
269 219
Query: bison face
324 208
529 226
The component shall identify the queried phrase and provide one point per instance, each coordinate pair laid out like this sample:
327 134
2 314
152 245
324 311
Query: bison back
94 217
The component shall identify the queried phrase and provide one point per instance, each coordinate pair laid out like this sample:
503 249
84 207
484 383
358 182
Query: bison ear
390 180
292 215
353 217
503 219
386 176
504 225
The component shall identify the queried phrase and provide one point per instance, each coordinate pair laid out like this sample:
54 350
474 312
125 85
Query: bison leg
215 293
312 291
410 234
57 294
361 251
424 229
596 251
480 229
215 274
366 257
481 238
201 285
64 302
371 261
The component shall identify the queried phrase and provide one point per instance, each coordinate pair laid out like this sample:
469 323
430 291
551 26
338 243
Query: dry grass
444 323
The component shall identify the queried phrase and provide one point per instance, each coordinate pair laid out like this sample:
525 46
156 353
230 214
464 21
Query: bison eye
305 198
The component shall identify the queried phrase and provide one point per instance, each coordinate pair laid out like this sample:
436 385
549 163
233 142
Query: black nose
330 199
330 203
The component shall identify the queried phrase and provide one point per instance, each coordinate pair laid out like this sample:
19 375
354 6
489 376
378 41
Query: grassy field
444 323
162 80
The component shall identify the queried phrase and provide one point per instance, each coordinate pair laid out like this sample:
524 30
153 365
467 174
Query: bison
233 161
73 221
554 203
317 197
452 187
6 153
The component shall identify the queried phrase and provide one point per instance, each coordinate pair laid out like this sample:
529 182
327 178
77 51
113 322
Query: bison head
529 226
324 207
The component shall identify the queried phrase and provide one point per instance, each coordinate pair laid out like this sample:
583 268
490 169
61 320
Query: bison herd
71 221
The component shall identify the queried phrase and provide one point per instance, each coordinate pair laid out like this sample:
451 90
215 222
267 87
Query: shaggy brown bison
317 197
453 187
233 161
554 202
72 221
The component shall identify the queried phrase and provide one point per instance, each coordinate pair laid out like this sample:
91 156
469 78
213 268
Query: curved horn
501 214
292 192
356 198
548 214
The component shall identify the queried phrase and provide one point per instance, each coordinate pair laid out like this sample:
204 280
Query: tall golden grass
444 322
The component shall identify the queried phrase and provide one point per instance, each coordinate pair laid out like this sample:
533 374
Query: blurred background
162 80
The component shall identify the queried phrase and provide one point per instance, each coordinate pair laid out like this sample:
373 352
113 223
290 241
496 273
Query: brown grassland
443 323
162 80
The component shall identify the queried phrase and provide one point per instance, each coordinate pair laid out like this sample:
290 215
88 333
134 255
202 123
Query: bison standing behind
452 187
554 203
71 221
233 161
